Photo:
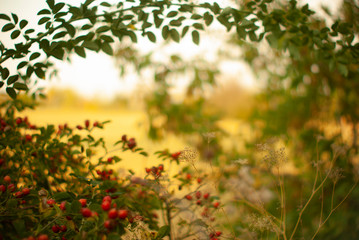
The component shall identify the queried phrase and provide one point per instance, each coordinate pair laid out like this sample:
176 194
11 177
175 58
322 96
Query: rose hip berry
7 179
122 213
87 123
43 237
25 191
63 228
188 197
106 205
86 212
83 202
206 195
198 194
107 224
216 204
107 198
50 202
55 228
63 206
2 188
113 214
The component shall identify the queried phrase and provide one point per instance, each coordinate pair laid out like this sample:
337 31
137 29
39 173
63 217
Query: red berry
218 233
7 179
107 224
199 202
87 123
31 238
107 198
18 194
109 160
188 176
113 213
63 206
11 187
199 180
18 121
25 191
86 212
106 205
95 124
55 229
69 218
43 237
188 197
216 204
131 143
214 238
2 188
198 194
122 214
28 137
50 202
79 127
83 202
175 155
148 170
2 161
124 138
160 167
206 195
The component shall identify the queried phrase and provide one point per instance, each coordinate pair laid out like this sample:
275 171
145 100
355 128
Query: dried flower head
336 174
262 223
189 154
209 136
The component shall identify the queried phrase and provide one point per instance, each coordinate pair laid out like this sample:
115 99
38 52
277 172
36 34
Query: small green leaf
44 12
58 7
70 29
105 4
4 17
11 92
195 37
103 29
1 84
208 18
106 47
165 32
15 34
184 31
20 86
29 31
15 17
60 35
133 36
12 79
80 51
75 207
34 56
163 232
196 16
172 14
23 23
7 27
198 26
175 35
90 45
151 37
43 20
40 73
5 73
62 196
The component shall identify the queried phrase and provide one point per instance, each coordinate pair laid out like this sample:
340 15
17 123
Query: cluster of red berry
155 171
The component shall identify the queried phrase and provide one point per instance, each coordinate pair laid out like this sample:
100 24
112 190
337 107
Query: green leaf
50 3
184 31
58 7
106 47
158 21
12 79
75 207
196 16
62 196
5 73
59 35
11 203
105 4
15 17
11 92
172 14
19 225
107 38
44 12
165 32
195 37
20 86
29 31
90 45
175 35
70 29
208 18
4 17
163 232
15 34
7 27
103 29
1 84
43 20
175 23
34 56
86 26
198 26
58 53
23 23
80 51
40 73
151 37
133 36
21 65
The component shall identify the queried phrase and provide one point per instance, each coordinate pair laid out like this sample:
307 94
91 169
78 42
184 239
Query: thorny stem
311 197
333 209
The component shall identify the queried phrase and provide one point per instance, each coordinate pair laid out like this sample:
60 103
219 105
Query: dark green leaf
21 65
208 18
50 3
11 92
106 47
23 23
90 45
12 79
4 73
80 51
15 34
195 37
34 56
86 26
59 35
4 16
19 225
70 29
58 7
7 27
14 16
133 36
172 14
184 31
43 20
165 32
107 38
198 26
29 31
175 35
1 84
44 12
75 207
102 29
158 21
20 86
58 53
105 4
151 37
196 16
40 73
62 196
